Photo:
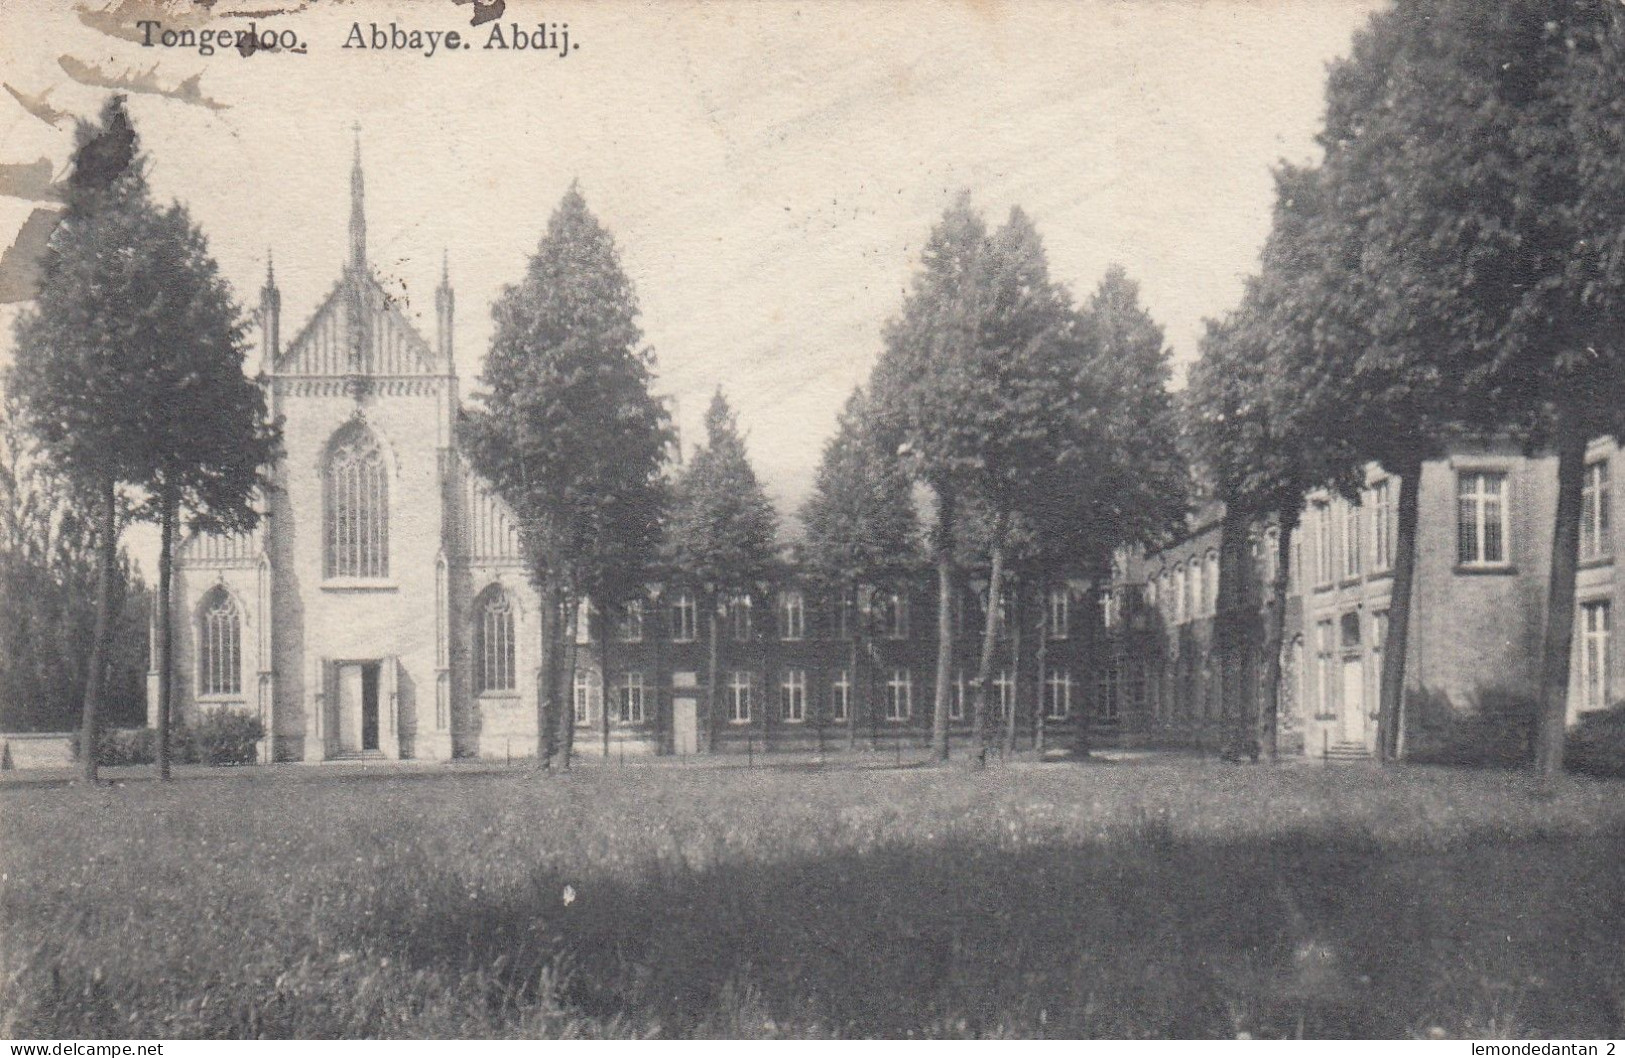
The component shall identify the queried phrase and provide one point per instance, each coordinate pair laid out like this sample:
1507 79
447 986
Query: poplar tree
570 436
722 531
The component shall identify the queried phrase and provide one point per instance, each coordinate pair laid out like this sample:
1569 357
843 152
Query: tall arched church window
493 645
219 647
357 487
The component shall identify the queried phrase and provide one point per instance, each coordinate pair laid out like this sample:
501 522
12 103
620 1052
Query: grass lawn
1162 897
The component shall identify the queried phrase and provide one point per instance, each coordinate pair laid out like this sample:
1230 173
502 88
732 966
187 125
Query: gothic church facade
381 609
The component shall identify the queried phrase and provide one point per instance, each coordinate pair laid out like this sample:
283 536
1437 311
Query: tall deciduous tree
48 557
722 530
79 373
861 529
569 434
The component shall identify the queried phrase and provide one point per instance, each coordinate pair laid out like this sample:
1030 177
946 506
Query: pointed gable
389 344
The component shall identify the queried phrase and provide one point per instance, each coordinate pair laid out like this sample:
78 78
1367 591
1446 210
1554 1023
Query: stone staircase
1343 752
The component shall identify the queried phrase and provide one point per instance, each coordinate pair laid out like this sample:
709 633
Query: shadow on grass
1139 936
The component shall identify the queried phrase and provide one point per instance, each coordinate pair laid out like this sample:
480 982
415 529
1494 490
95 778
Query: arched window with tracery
357 485
219 646
494 644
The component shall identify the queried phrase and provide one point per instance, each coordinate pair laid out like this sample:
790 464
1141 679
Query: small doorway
358 706
685 725
1353 718
369 706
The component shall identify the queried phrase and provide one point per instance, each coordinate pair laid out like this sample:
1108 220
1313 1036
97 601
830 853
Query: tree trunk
606 679
1094 648
547 671
1232 624
166 618
1552 717
990 642
1008 749
1269 713
854 664
943 545
1040 717
567 679
712 720
107 549
1391 698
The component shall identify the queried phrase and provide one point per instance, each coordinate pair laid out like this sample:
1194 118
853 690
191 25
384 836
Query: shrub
225 736
1596 745
120 746
1499 729
220 736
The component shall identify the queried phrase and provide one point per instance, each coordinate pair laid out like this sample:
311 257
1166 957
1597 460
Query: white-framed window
1292 677
1108 609
1323 544
1294 566
630 690
1004 694
792 615
899 695
219 646
684 618
1269 561
1109 690
587 695
1481 518
840 695
1058 694
1595 500
892 613
739 624
1382 526
357 488
494 645
845 611
1595 624
1351 540
629 625
793 696
956 696
1060 613
1179 594
739 697
1210 583
1326 667
1151 598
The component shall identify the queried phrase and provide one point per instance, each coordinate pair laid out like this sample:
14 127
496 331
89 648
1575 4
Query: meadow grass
1157 898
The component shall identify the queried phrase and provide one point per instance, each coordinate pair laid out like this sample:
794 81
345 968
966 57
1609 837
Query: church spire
358 216
444 304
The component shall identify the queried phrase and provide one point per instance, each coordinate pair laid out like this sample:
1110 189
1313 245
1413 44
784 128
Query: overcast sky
768 171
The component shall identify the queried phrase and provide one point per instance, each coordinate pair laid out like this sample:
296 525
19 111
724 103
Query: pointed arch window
219 647
357 487
494 645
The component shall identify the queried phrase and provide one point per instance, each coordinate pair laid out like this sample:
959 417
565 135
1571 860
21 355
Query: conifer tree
569 434
722 531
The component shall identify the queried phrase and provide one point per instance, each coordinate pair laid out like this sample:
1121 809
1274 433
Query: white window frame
1060 613
1596 517
1596 627
1382 526
495 655
220 647
740 626
739 695
1323 544
840 695
586 688
792 615
685 618
1004 695
899 695
1210 583
956 696
1353 566
630 695
1480 500
1057 694
793 696
629 622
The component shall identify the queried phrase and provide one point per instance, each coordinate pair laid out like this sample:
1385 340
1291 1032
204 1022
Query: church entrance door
358 706
369 706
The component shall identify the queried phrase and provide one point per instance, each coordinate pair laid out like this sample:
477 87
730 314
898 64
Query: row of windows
897 700
889 614
1185 593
